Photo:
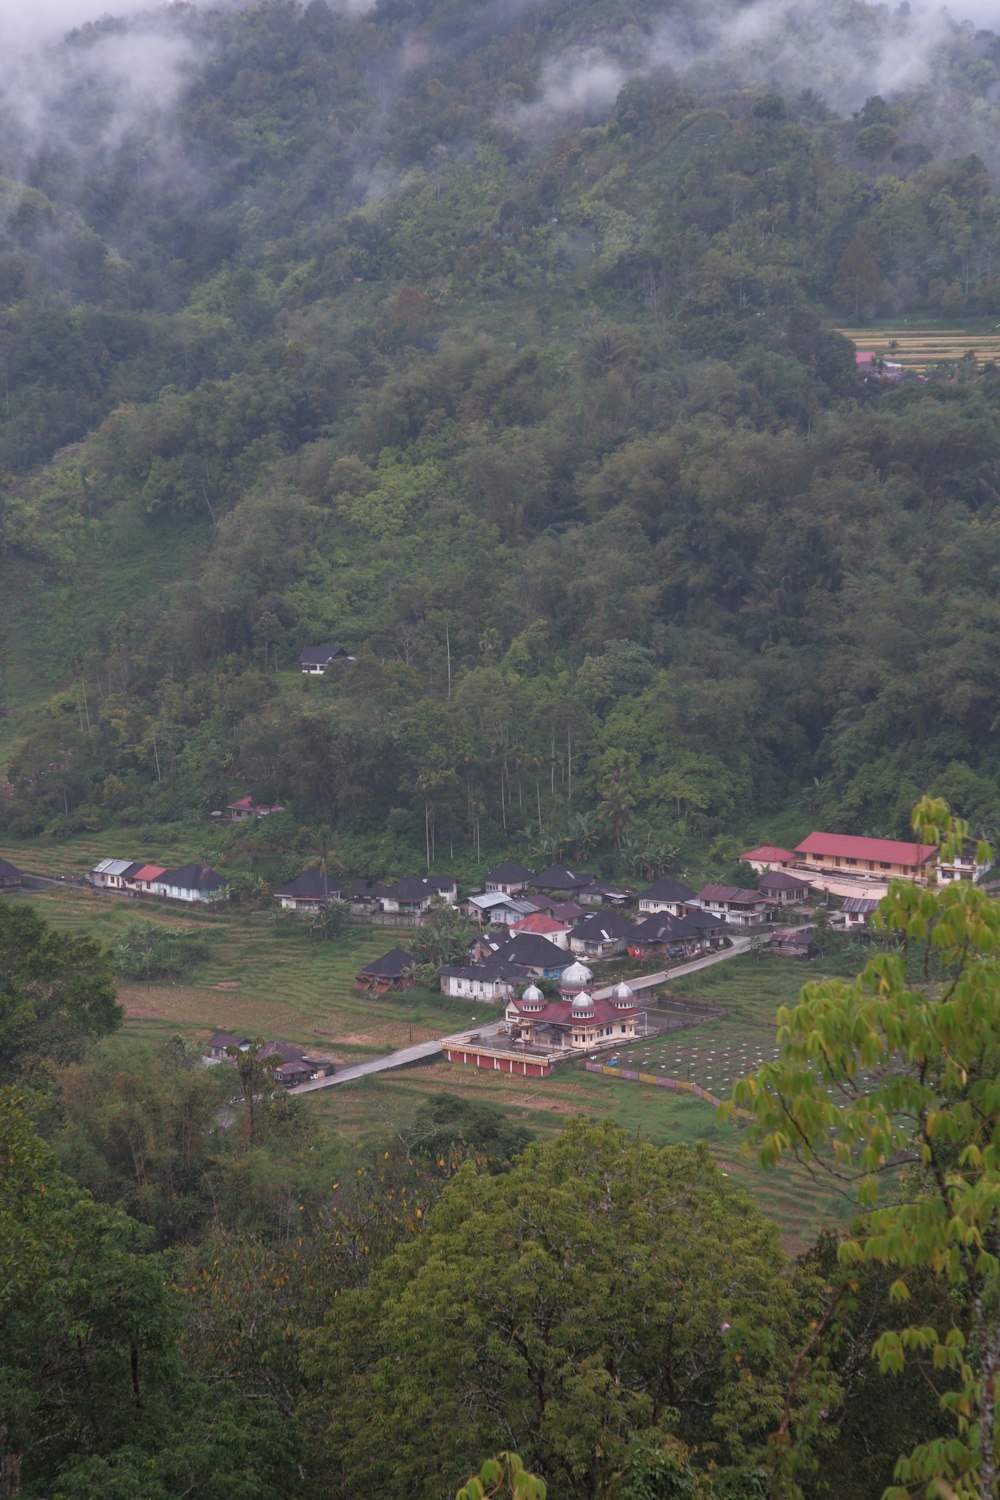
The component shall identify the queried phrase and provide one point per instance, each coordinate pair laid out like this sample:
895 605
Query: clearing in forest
920 348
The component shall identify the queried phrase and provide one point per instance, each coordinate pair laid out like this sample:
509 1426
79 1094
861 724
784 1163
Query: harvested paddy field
920 348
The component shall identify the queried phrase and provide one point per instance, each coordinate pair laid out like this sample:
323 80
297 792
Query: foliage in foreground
599 1291
915 1070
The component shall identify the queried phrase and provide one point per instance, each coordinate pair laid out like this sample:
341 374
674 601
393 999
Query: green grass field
275 981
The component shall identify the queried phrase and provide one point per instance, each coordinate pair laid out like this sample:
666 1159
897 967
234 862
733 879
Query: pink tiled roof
561 1013
537 921
149 872
769 854
849 846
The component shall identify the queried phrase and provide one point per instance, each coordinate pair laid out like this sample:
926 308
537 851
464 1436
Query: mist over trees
493 342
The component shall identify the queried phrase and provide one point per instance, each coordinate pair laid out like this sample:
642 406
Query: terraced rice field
276 982
368 1106
266 980
918 349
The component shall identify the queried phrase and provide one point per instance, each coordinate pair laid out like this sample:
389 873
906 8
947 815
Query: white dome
576 974
623 994
582 1005
532 999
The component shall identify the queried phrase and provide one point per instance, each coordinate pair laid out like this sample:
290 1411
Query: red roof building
246 808
850 855
543 925
768 857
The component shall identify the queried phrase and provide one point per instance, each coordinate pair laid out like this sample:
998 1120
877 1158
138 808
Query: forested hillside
493 342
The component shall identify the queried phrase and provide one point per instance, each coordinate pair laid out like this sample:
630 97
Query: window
850 861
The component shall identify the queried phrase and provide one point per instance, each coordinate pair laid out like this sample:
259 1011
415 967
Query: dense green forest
205 1294
493 342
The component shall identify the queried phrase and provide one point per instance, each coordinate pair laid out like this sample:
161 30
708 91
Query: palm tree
616 804
581 834
322 842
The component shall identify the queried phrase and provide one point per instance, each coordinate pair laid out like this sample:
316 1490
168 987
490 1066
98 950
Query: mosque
576 1021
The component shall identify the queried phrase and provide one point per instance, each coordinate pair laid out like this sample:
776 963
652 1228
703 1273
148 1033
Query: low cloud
581 87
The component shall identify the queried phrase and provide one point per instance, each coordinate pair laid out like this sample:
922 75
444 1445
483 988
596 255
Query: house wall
182 893
880 869
650 904
474 989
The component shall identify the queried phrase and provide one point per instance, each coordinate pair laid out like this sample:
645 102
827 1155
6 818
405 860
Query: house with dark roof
794 942
414 894
856 913
665 894
667 936
314 660
560 879
604 893
566 911
365 895
493 980
310 891
532 954
783 887
601 935
735 906
218 1045
390 972
192 883
511 878
10 878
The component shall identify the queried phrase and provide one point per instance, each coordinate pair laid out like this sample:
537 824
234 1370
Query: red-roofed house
881 859
144 878
768 857
246 808
540 923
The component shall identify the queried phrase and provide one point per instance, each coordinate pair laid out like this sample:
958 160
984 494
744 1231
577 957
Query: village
543 937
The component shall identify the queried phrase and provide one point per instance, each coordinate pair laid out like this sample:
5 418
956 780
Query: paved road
650 981
422 1050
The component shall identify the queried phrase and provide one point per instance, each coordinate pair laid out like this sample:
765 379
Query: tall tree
901 1066
599 1289
56 992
